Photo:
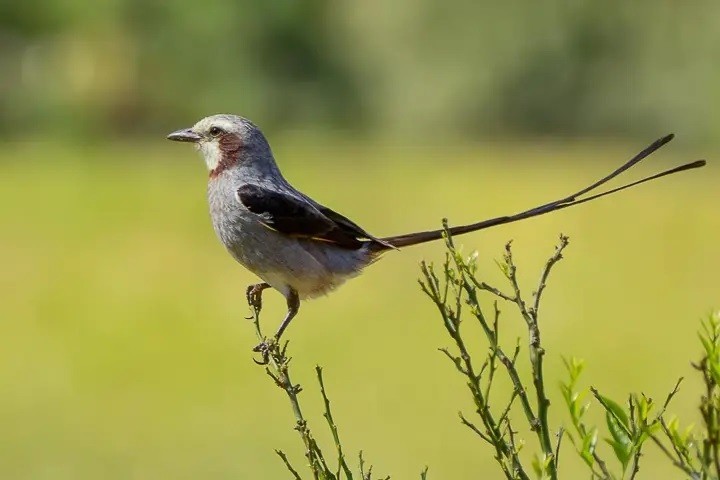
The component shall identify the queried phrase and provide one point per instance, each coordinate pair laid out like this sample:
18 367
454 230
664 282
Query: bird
300 247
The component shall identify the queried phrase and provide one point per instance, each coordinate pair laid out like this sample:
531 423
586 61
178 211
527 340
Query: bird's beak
184 135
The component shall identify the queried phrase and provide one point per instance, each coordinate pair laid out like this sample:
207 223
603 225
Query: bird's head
224 141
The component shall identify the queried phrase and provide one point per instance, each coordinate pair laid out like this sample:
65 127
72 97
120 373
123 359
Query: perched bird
296 245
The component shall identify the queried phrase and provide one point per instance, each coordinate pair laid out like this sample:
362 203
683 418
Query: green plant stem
464 364
537 353
285 460
709 412
493 338
277 367
470 285
342 463
464 283
680 462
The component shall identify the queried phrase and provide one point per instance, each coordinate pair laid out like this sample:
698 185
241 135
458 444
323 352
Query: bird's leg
293 305
254 297
266 347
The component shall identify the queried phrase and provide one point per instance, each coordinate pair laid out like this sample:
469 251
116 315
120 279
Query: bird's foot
264 350
270 348
254 298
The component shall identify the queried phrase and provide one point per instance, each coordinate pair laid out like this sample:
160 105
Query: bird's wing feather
297 217
351 226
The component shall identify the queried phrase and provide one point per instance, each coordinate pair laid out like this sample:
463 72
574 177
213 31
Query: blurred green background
124 353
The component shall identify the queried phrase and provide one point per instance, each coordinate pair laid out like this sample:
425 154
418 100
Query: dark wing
299 218
350 226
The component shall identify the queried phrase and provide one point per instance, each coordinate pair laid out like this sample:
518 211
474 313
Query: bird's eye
216 131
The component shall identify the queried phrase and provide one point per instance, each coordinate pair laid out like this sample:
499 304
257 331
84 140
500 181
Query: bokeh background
123 350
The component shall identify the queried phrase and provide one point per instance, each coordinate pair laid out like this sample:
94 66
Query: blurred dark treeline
462 68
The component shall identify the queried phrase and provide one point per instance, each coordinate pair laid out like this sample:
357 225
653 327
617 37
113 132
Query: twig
365 475
342 464
679 462
285 460
603 467
494 291
277 367
492 335
472 427
461 281
632 407
670 396
464 363
560 433
557 256
536 351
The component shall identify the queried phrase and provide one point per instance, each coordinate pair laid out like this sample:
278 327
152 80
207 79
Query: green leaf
613 409
618 433
583 409
566 393
537 467
653 428
706 343
715 369
504 268
588 446
540 465
574 367
619 427
644 406
622 452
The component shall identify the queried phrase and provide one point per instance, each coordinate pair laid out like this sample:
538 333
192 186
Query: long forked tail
569 201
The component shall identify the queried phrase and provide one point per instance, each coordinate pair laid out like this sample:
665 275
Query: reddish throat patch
230 146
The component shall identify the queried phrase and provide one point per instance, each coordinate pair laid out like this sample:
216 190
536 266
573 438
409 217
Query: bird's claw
264 350
254 299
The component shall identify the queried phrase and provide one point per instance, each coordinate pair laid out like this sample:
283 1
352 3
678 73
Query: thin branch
519 388
679 462
423 474
285 460
277 367
494 291
637 444
670 396
506 412
536 351
461 281
493 356
561 432
492 335
365 475
342 464
557 256
464 363
472 427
